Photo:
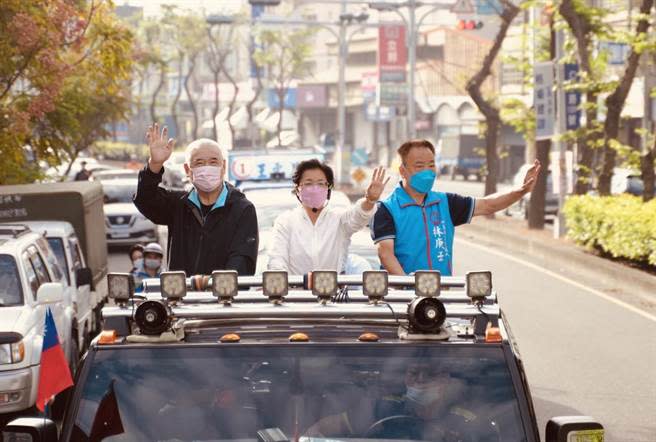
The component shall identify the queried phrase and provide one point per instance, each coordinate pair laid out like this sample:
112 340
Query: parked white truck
80 204
30 283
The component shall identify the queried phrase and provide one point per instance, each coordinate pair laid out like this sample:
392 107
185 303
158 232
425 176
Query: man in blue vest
414 227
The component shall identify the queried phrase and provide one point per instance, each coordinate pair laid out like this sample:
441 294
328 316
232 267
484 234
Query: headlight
173 285
427 283
275 285
479 284
120 286
374 284
324 284
225 285
12 353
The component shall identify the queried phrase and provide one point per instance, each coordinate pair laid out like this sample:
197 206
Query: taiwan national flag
54 375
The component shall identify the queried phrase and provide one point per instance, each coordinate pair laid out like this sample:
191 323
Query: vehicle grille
120 220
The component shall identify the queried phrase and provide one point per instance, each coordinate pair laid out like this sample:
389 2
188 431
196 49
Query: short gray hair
196 144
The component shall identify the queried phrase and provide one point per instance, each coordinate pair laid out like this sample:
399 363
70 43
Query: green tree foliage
62 81
285 55
589 26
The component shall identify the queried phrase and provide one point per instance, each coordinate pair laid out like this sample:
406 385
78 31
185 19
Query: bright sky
152 7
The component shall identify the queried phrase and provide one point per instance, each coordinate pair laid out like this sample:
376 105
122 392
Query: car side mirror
569 428
83 277
35 429
50 293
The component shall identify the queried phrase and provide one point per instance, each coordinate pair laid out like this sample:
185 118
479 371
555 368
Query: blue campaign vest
424 233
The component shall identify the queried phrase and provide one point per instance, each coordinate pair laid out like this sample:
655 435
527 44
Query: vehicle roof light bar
245 282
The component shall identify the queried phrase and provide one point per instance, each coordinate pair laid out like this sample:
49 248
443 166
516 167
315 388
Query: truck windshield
11 292
306 393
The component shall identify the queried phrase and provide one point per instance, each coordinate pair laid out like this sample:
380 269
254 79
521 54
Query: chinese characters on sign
543 100
572 99
392 53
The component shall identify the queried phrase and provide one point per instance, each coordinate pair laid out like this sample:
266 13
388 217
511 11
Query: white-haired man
212 227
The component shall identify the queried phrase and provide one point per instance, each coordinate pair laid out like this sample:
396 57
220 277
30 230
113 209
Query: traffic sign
358 175
463 7
359 157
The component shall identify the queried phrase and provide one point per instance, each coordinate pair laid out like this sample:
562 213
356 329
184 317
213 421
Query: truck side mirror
50 293
35 429
568 428
83 277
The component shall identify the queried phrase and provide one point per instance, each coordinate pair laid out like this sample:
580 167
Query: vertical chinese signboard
572 98
543 100
392 53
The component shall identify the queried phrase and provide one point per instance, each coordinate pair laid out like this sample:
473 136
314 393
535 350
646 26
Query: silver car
125 224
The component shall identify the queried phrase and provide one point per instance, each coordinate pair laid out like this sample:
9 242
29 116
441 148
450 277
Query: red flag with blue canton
54 375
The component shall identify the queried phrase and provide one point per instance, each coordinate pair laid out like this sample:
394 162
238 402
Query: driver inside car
425 411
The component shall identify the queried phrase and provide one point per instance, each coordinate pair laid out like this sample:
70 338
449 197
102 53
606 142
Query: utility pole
412 60
342 158
559 226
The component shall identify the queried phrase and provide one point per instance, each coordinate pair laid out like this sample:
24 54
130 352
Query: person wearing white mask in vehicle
150 266
316 235
213 226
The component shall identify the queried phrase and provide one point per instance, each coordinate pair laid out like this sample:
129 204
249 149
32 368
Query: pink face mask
206 178
313 197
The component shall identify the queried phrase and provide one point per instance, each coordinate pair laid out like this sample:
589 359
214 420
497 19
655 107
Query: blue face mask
423 181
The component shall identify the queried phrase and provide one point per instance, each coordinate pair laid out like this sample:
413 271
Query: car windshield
11 292
119 193
108 175
310 393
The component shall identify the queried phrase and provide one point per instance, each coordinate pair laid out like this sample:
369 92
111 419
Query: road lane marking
536 267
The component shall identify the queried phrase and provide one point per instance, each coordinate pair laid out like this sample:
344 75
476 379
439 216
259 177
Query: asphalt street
583 354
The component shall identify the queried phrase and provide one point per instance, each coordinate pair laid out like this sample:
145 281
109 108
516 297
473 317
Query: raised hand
531 177
160 146
377 184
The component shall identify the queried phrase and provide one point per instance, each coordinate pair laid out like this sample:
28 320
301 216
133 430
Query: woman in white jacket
315 235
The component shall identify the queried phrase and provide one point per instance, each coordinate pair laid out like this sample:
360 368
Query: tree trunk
647 163
174 104
538 197
153 101
231 107
194 111
215 109
615 103
252 132
489 110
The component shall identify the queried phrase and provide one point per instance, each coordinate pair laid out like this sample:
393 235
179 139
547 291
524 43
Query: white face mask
152 263
137 263
423 396
206 178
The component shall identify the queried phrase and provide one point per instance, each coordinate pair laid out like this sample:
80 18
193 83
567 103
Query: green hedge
622 226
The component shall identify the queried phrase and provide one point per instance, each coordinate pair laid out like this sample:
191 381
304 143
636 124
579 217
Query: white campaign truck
30 283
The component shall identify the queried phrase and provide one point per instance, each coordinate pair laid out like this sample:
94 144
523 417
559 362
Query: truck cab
30 283
317 357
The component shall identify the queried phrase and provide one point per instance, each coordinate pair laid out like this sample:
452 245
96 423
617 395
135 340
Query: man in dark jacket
212 227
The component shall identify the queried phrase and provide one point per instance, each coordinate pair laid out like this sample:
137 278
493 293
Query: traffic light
469 25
